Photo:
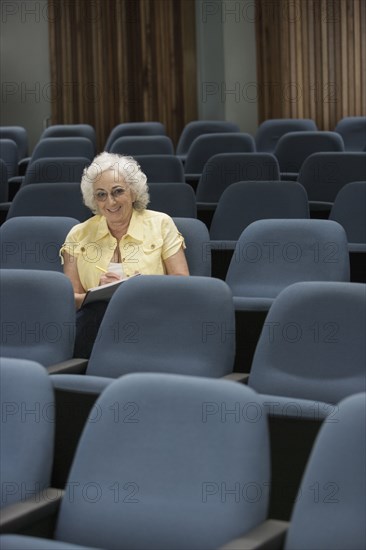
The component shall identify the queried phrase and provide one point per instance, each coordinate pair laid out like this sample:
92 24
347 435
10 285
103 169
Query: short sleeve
173 240
71 244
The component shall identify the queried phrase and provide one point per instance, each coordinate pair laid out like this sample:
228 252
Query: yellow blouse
151 238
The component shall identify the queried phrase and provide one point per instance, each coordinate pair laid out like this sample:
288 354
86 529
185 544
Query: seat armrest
206 205
71 366
192 177
223 244
269 535
22 165
241 377
289 176
21 516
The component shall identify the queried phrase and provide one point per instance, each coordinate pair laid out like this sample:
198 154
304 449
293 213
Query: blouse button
82 249
152 246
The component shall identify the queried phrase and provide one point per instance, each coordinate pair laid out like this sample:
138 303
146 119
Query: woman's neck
119 229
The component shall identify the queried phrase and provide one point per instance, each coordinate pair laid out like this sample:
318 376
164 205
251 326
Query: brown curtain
311 59
116 61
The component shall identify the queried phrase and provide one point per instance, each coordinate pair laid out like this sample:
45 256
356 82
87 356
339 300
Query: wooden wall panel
312 55
118 61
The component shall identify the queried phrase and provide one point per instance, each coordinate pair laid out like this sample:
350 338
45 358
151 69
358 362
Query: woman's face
114 197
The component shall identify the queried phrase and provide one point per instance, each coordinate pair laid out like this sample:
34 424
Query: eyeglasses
101 196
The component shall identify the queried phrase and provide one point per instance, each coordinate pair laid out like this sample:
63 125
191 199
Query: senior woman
122 239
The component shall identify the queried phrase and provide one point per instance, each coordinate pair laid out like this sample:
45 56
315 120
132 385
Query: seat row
187 458
239 205
291 141
352 130
322 175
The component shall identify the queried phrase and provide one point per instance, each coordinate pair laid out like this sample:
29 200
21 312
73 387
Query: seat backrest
349 209
294 147
270 131
176 459
312 343
197 238
161 168
175 199
71 130
50 199
135 129
63 147
353 131
324 174
247 201
207 145
9 154
27 429
18 134
37 315
142 145
272 254
194 334
226 168
330 511
56 169
196 128
29 242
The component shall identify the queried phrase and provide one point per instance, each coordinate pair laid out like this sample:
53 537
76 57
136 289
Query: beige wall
24 64
226 54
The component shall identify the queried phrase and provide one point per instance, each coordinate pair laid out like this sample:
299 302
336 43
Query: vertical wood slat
118 61
317 50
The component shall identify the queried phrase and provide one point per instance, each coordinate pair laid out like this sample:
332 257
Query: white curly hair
127 167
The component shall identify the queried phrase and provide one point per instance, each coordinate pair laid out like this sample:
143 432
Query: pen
101 269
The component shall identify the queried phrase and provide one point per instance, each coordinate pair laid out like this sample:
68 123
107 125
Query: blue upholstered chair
195 334
9 154
134 129
50 199
71 130
349 209
247 201
294 147
37 315
55 169
197 250
331 507
324 174
161 168
207 145
27 430
18 134
309 356
311 346
166 453
270 131
63 147
175 199
353 132
196 128
226 168
142 145
272 254
33 242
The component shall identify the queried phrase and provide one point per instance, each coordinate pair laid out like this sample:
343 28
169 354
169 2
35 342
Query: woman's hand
108 277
